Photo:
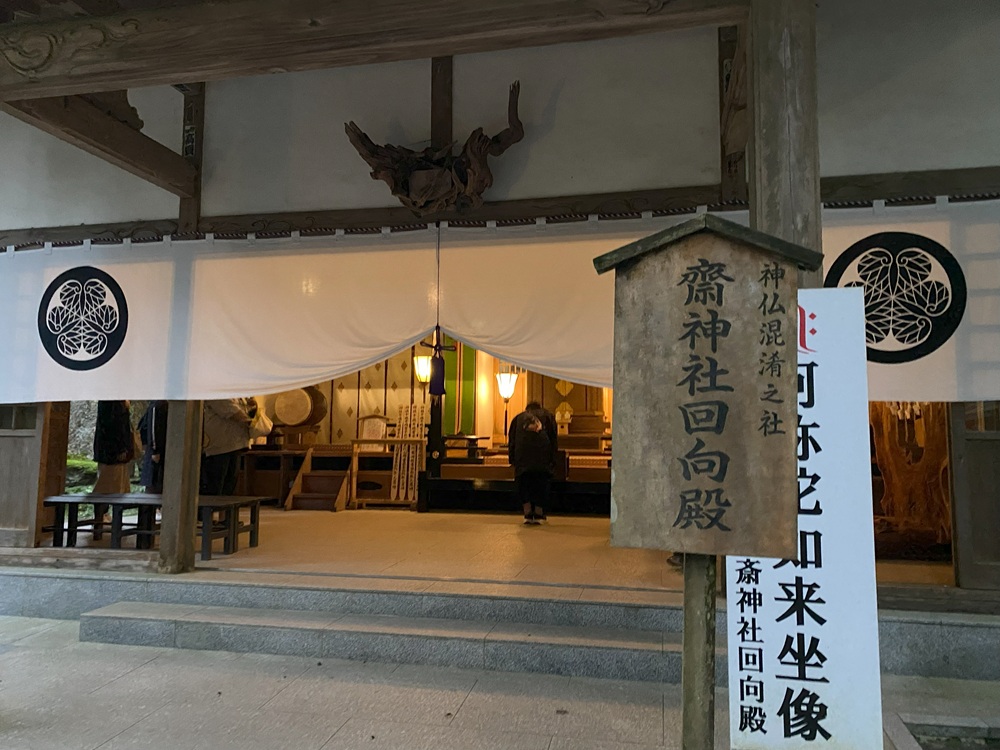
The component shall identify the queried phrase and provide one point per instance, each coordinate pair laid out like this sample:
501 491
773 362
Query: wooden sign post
705 414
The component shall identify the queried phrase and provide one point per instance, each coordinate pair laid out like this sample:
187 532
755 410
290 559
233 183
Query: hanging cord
437 289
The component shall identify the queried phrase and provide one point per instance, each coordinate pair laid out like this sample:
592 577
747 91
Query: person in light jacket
226 435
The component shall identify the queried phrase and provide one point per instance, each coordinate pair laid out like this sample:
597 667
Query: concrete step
314 501
926 644
653 656
66 595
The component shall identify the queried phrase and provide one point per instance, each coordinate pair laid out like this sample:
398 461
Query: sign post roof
807 260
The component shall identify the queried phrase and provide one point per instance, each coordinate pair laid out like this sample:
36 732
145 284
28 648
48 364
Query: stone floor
58 693
568 551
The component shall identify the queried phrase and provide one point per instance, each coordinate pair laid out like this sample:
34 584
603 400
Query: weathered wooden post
182 472
705 415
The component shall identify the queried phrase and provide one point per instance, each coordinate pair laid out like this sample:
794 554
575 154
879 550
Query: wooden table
228 527
468 443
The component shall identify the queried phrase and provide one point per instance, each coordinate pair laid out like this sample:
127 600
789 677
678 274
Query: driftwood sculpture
435 180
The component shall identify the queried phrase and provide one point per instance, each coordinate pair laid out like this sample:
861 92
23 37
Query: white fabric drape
221 319
227 318
530 295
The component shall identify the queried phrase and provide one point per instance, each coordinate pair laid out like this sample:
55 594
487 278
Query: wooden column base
698 667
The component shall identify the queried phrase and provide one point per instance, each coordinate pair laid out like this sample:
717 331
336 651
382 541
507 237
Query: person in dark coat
532 444
114 448
153 432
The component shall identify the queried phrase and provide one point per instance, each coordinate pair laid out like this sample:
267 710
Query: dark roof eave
804 258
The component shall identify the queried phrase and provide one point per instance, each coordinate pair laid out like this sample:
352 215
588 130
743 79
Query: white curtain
218 319
531 296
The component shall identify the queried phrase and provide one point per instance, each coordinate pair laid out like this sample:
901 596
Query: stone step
926 644
66 595
644 655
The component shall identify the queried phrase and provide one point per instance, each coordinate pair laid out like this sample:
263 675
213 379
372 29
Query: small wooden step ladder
320 488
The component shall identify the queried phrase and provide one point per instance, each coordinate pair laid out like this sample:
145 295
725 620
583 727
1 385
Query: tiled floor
572 551
59 694
568 551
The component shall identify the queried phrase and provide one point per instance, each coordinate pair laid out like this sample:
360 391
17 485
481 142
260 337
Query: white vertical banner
803 635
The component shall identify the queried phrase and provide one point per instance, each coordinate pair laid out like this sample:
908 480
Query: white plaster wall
45 182
903 85
615 115
277 143
621 114
907 85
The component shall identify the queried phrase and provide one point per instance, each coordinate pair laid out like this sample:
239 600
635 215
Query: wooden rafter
734 117
77 121
212 41
837 191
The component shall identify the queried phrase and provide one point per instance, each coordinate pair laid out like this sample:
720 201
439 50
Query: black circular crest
83 318
915 293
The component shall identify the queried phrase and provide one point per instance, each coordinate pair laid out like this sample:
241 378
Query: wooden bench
227 527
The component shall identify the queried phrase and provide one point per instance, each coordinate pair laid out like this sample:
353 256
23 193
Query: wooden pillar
733 115
192 148
441 102
698 666
182 474
783 152
783 160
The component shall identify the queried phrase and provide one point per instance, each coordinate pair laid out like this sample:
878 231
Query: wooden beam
76 121
193 148
116 104
110 233
734 117
442 94
848 190
211 41
784 144
671 199
898 186
27 7
99 7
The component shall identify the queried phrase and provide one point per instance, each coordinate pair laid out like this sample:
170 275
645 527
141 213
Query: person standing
153 432
532 444
226 435
114 448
